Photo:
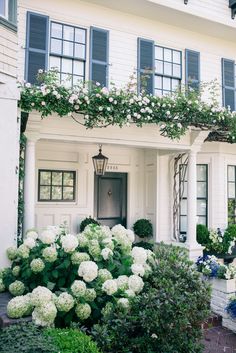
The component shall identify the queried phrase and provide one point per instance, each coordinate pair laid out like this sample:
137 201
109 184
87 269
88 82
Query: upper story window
229 83
68 52
8 10
231 178
168 70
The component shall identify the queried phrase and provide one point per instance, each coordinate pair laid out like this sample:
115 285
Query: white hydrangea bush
74 277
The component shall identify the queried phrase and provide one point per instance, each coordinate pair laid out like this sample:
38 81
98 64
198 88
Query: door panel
111 198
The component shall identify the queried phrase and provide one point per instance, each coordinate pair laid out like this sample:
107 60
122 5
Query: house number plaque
112 167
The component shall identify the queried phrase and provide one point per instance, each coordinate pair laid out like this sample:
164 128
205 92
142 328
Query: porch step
4 319
214 320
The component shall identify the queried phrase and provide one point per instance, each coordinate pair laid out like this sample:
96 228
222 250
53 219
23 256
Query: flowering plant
70 277
231 307
99 106
219 242
211 267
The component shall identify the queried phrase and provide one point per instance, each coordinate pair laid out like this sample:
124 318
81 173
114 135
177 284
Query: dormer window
8 10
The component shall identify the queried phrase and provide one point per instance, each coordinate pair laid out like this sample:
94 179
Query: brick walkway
219 340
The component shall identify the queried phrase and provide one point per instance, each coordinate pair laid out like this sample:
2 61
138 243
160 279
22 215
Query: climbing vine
94 106
21 188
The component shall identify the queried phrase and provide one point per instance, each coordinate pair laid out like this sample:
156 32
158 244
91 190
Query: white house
107 41
9 136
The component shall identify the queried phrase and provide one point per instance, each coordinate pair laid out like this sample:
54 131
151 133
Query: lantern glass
100 162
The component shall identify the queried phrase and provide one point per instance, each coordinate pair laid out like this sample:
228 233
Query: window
68 52
56 185
168 70
231 194
229 83
202 196
8 10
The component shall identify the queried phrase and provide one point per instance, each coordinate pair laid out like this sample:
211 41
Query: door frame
124 208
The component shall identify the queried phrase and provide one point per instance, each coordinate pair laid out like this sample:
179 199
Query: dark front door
111 199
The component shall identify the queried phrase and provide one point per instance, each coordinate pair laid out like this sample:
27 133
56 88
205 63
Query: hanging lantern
100 162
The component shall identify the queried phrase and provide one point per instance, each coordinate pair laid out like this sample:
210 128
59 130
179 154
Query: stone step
214 320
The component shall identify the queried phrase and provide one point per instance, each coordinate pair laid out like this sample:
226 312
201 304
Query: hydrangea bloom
78 257
135 283
17 307
78 288
44 315
69 243
118 231
130 293
32 234
64 302
47 237
104 274
123 303
23 251
94 248
106 311
90 295
2 286
122 282
110 287
83 241
108 243
138 269
40 296
106 253
130 235
16 288
16 271
49 254
37 265
12 253
139 255
88 270
106 231
83 311
30 243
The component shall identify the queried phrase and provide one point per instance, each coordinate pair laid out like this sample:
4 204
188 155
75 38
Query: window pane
175 85
56 46
2 8
159 67
231 190
45 178
68 193
56 30
57 178
201 189
185 190
79 51
55 62
176 57
166 83
66 66
167 55
183 207
231 207
183 224
68 48
202 220
183 172
168 69
201 208
159 53
79 35
77 79
68 33
231 173
201 173
56 193
67 80
176 70
158 92
44 193
68 179
158 82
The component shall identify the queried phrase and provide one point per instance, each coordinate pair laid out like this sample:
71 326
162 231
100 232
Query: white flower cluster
37 265
88 270
69 243
16 288
228 271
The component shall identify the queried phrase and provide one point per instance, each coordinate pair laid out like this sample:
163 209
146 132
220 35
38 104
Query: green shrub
86 221
145 244
72 341
202 234
166 316
143 228
230 232
25 338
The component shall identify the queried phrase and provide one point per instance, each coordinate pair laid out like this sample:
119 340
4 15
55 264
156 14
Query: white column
29 186
192 201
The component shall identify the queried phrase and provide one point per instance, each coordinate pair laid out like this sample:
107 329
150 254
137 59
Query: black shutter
99 56
12 11
36 45
146 63
192 69
228 83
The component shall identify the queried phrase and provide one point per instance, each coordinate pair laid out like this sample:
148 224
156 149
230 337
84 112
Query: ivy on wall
96 106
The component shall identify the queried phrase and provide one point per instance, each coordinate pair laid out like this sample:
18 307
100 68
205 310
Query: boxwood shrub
166 316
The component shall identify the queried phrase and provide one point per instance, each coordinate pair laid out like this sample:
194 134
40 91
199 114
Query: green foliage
87 221
202 234
166 316
21 188
25 338
101 107
220 243
72 341
230 232
145 244
143 228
